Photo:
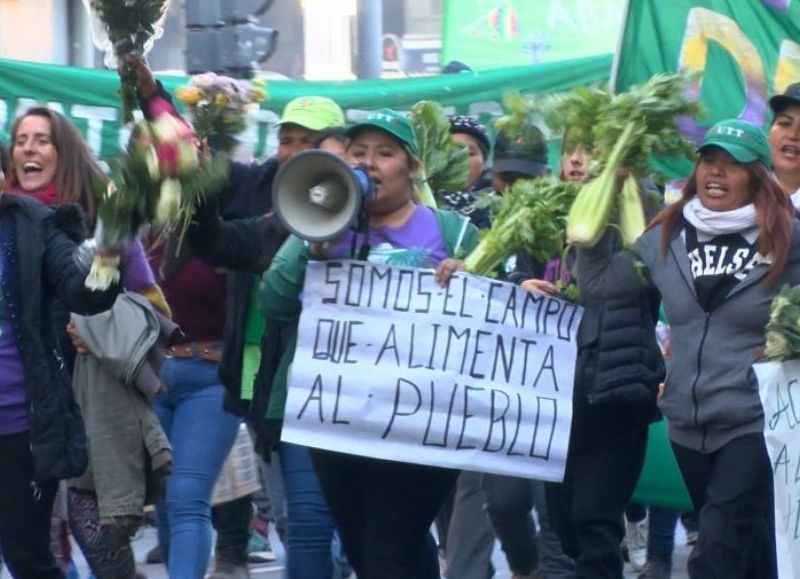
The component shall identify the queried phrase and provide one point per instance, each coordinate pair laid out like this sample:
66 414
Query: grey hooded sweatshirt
711 393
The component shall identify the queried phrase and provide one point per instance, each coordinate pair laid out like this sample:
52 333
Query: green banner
483 33
661 482
89 97
747 51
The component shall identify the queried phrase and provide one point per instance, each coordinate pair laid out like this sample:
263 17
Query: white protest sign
779 387
474 376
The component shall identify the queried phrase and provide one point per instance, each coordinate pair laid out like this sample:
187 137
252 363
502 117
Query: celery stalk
591 210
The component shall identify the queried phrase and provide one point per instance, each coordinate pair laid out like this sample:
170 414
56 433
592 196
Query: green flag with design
747 50
485 33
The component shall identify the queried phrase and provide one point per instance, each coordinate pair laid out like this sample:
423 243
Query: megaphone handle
363 253
363 227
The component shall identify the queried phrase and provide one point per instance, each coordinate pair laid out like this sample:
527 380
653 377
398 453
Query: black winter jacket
240 237
619 364
619 367
41 275
228 231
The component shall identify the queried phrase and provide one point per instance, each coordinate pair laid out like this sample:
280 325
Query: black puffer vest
619 360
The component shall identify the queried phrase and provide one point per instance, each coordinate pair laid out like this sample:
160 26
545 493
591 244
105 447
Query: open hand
539 285
446 269
77 343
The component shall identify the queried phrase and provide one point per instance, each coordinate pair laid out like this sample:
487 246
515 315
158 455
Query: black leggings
383 510
25 510
107 548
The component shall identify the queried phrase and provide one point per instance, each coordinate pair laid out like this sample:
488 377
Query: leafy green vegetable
576 114
631 128
444 164
591 210
519 111
653 109
783 327
632 222
529 216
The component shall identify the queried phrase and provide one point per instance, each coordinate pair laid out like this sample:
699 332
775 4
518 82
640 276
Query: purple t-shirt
13 400
416 243
135 271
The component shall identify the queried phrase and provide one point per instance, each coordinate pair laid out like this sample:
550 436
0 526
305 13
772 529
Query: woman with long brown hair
51 163
718 257
42 439
50 160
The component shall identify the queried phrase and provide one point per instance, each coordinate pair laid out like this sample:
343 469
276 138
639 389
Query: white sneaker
636 543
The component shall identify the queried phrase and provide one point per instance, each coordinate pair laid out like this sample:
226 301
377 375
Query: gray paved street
147 539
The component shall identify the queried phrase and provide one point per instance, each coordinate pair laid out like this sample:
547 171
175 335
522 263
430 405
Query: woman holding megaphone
383 509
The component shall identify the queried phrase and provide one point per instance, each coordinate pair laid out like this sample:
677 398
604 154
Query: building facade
317 38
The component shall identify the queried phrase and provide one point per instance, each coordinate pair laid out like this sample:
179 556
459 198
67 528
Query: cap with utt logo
396 124
744 141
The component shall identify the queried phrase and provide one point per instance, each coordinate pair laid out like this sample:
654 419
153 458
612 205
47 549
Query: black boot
657 567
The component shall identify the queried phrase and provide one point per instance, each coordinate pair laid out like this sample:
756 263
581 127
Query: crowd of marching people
115 400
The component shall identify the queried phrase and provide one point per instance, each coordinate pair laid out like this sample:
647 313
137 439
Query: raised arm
606 271
67 275
247 244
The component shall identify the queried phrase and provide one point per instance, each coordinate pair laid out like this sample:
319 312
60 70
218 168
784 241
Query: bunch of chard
530 216
783 327
444 164
626 132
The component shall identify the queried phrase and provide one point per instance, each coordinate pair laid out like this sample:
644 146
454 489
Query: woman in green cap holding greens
382 509
718 257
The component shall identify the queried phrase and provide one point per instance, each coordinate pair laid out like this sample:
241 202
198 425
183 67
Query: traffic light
243 10
202 14
222 36
244 46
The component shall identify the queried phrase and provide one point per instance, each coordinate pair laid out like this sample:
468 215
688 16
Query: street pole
370 38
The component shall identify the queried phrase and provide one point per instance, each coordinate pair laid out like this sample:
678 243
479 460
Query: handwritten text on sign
477 375
779 387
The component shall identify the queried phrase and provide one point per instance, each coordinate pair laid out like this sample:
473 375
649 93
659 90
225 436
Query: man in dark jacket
242 236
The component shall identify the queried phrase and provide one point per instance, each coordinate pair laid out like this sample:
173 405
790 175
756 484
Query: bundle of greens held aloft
625 130
783 327
159 180
129 24
444 165
531 216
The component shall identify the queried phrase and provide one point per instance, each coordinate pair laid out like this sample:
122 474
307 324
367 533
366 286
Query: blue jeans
201 434
310 523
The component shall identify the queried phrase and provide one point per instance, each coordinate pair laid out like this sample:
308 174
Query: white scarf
796 199
710 223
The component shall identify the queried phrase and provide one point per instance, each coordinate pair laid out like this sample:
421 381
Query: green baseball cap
313 113
396 124
744 141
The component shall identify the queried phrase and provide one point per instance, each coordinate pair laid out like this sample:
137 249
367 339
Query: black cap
454 67
525 152
791 96
469 126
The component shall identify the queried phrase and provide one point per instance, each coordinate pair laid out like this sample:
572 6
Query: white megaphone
318 196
